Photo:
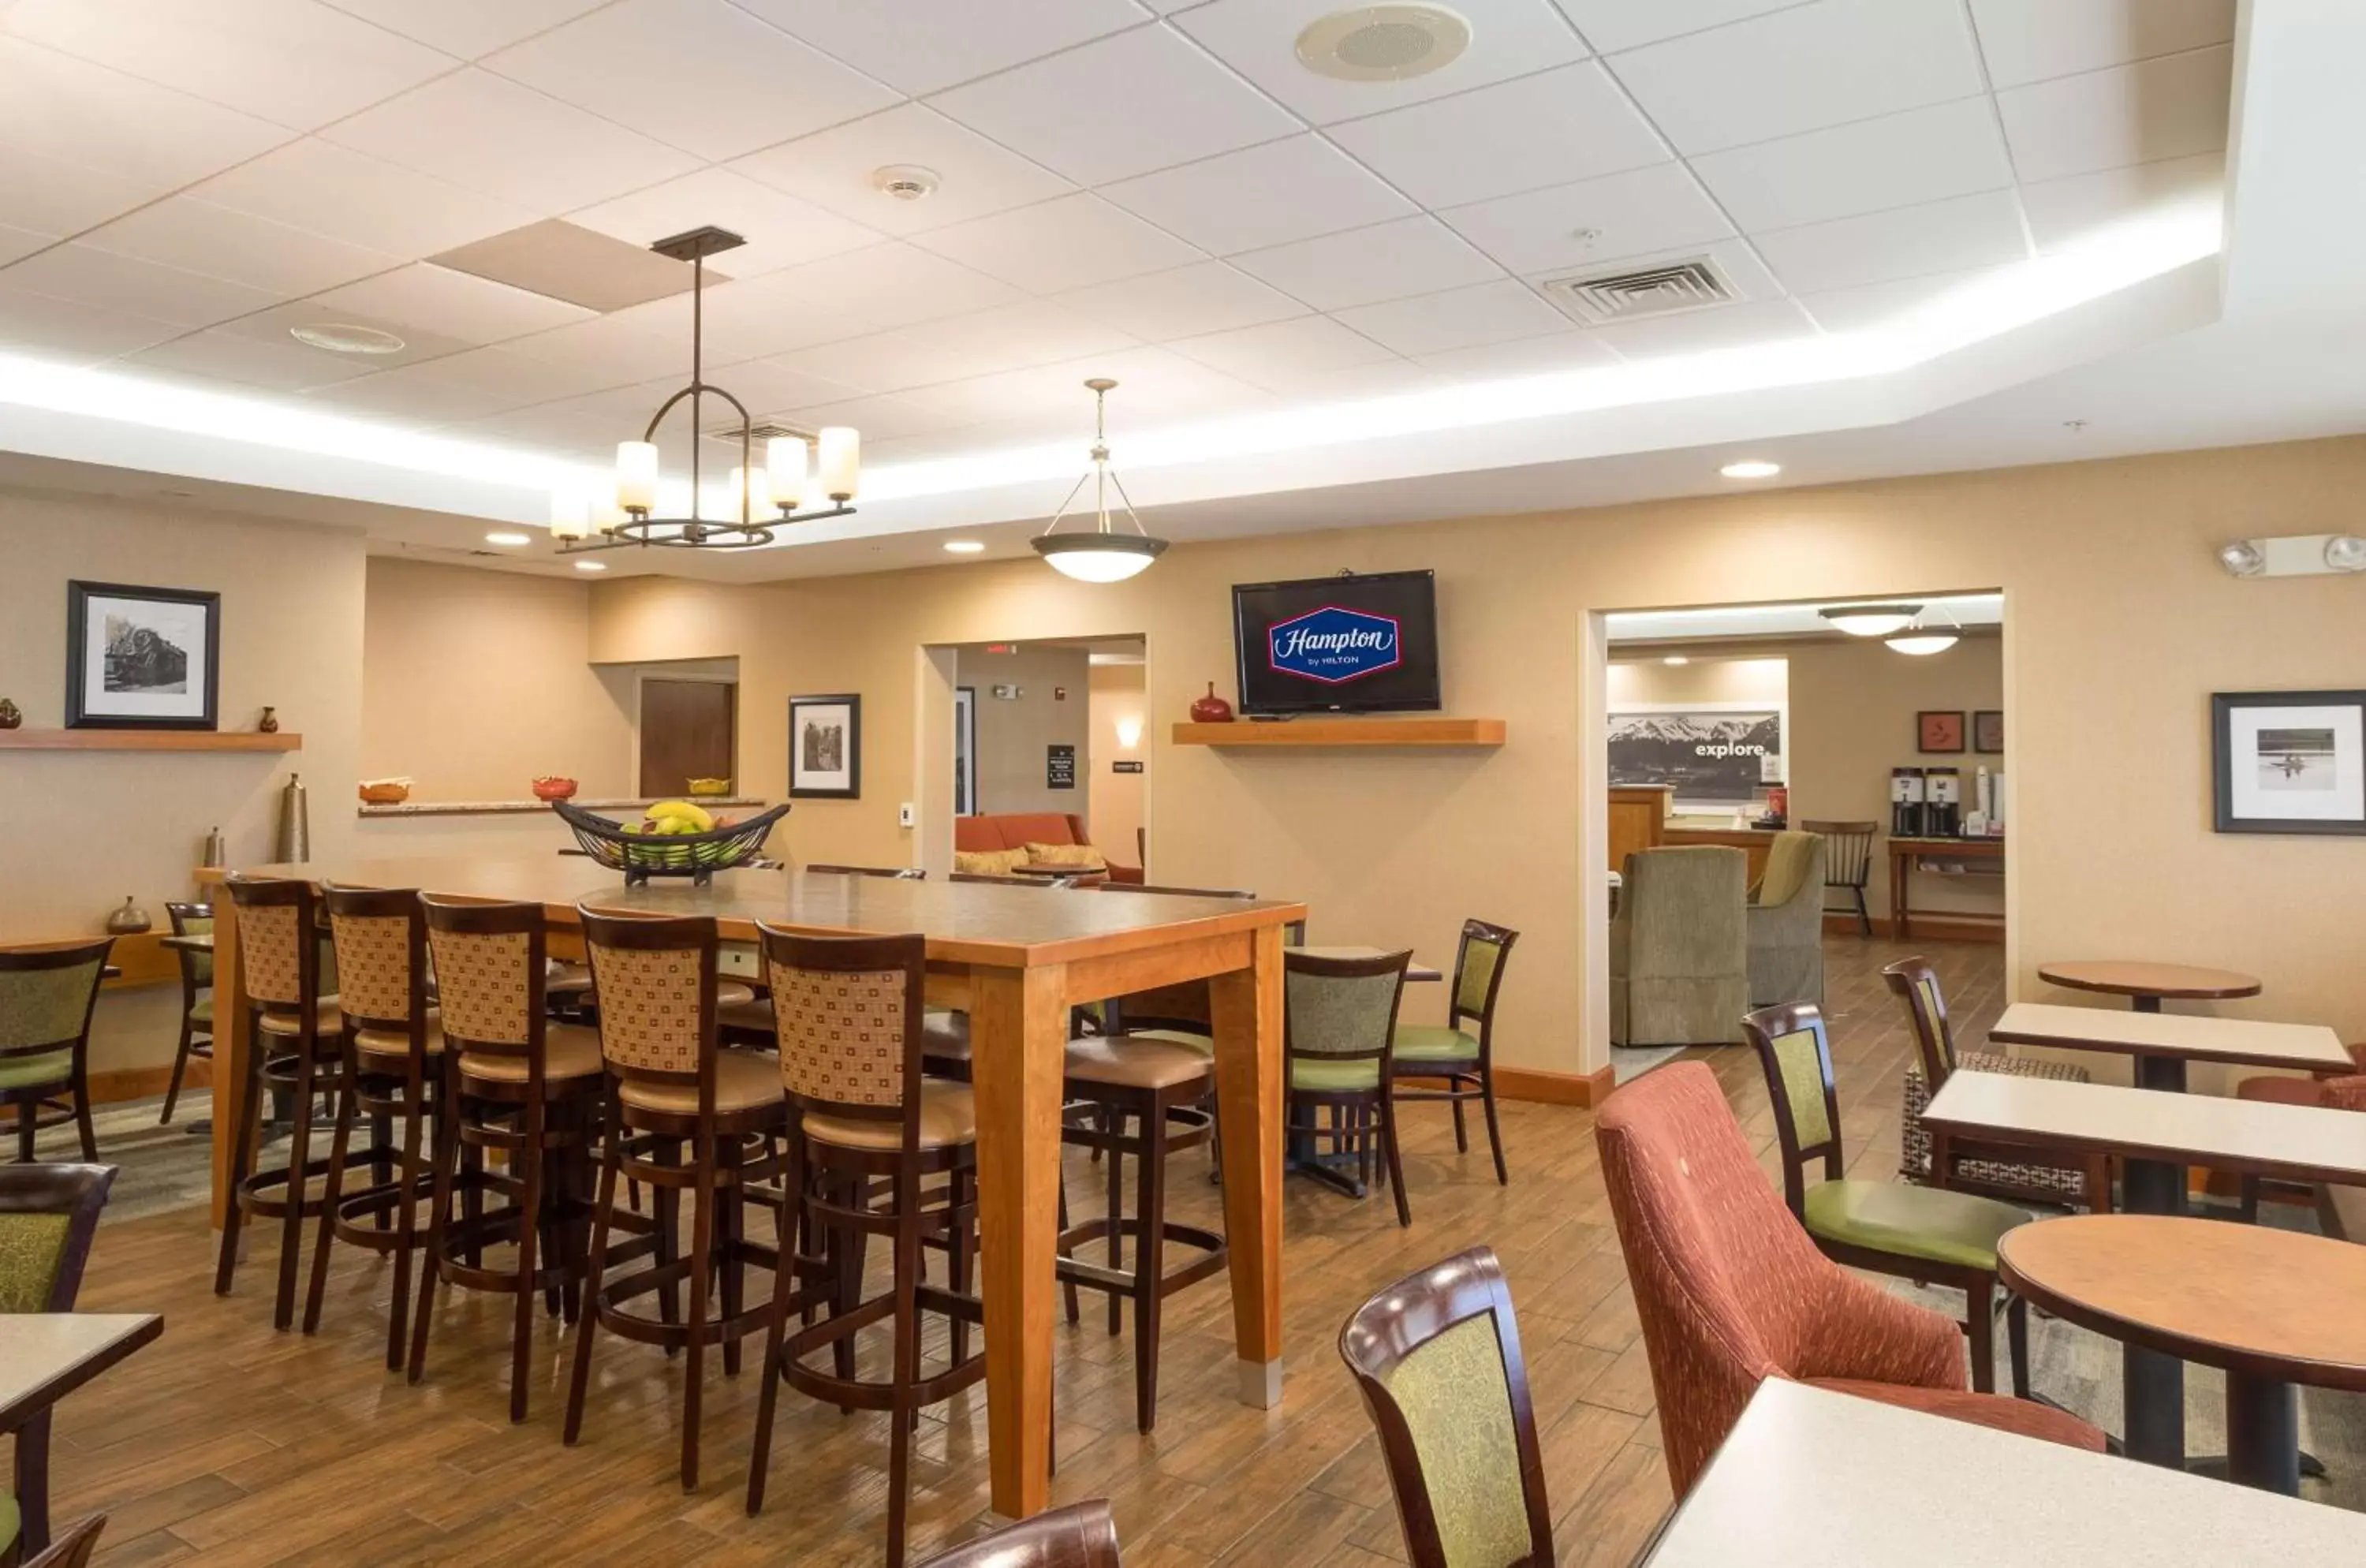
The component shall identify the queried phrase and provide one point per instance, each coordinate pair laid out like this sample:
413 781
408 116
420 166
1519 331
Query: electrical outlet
905 815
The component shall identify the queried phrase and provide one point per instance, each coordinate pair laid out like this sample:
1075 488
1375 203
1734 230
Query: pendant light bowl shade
1922 643
1870 620
1100 557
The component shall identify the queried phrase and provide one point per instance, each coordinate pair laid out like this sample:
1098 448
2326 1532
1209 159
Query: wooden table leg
233 1030
1245 1010
1901 924
1019 1040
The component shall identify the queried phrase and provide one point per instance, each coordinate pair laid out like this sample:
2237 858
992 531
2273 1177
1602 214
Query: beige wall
1053 708
1119 699
2122 624
475 682
1703 679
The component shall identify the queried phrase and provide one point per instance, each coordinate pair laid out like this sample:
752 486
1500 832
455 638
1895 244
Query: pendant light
1870 620
1920 641
1104 555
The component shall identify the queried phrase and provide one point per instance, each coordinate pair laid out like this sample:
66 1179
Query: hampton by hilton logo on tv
1333 644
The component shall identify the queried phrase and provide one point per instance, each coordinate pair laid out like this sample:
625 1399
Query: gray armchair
1787 923
1679 951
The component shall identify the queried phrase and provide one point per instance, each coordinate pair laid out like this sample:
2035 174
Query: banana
700 820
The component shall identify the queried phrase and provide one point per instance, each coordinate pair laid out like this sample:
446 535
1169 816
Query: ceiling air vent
1661 290
758 432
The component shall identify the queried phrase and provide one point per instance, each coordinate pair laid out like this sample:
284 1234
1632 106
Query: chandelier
759 495
1104 555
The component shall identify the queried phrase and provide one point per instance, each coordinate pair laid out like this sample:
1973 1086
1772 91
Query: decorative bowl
552 787
710 786
385 792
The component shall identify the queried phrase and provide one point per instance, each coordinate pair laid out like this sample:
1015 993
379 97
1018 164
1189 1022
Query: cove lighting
508 539
964 548
1754 469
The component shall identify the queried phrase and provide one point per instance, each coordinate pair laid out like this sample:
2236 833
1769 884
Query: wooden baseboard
1584 1090
1938 928
139 1083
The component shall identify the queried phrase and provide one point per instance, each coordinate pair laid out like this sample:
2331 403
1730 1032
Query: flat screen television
1337 644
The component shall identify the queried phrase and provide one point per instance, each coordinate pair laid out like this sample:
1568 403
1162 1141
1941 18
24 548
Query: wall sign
1714 754
1125 767
1334 645
1059 767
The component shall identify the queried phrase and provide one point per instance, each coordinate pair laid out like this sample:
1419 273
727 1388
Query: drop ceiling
1157 193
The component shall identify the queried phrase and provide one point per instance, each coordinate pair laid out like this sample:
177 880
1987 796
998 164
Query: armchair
1680 949
1785 923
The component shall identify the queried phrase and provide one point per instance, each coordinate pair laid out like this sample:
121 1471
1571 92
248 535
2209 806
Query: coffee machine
1942 803
1906 803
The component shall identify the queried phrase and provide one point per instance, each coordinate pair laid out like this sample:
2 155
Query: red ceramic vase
1212 709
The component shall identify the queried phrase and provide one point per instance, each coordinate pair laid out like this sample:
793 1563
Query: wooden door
689 730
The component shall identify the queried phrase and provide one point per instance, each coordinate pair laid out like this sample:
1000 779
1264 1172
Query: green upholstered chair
1921 1234
196 996
1339 1020
1680 948
47 1216
46 998
1462 1058
1437 1358
1785 923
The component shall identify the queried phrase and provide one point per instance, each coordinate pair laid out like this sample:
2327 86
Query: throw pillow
1083 857
989 863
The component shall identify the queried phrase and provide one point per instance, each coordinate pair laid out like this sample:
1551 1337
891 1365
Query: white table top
2305 1143
45 1355
1811 1479
2248 1042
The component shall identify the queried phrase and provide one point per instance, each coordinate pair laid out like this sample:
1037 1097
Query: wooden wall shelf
1329 732
147 740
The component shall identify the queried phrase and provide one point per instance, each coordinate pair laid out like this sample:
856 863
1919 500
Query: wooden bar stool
518 1084
393 1071
847 1011
296 1049
196 998
681 1115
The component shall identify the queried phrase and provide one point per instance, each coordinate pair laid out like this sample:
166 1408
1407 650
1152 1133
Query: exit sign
1002 648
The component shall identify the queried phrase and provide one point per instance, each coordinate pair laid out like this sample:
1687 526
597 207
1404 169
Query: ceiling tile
893 285
285 366
610 351
1123 104
197 237
1951 149
833 169
1032 332
1801 69
468 27
318 186
296 63
1068 243
887 362
1207 297
781 230
1460 318
134 288
15 243
69 332
1522 357
1259 40
2087 209
62 108
490 135
699 74
1361 383
1875 305
1152 384
755 318
1568 124
1364 266
767 387
1270 195
1611 25
53 197
921 46
880 418
464 386
1601 220
471 309
1906 241
2029 40
1281 355
1709 332
2170 107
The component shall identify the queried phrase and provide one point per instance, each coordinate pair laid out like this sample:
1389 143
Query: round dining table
2273 1309
2146 984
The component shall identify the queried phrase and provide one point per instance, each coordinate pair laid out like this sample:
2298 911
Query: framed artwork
1714 754
141 658
826 748
2290 762
1939 730
1988 731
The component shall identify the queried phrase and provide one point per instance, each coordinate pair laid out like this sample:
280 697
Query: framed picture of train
141 658
2290 762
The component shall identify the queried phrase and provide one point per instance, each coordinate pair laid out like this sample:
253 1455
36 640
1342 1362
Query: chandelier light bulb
637 475
785 460
571 514
841 459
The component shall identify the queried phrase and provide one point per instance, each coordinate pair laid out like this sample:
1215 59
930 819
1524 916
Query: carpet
158 1169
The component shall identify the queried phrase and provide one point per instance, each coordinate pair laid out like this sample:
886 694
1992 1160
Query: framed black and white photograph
826 748
141 658
1714 754
2290 762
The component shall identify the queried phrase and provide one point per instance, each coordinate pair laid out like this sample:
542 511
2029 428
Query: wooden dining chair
1339 1020
1436 1357
47 996
1848 865
49 1216
196 996
73 1547
1079 1536
1463 1059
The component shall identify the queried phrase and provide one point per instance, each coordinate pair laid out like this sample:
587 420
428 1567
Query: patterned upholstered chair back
1438 1359
278 950
656 982
47 1216
45 1002
380 938
1479 974
1797 1060
1342 1008
847 1011
1916 985
193 920
489 977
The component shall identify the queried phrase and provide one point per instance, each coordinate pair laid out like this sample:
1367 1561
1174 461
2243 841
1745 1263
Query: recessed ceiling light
1753 469
504 536
1676 659
345 338
905 182
591 566
1383 43
964 546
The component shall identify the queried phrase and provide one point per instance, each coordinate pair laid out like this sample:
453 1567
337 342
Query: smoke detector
1383 43
906 182
344 337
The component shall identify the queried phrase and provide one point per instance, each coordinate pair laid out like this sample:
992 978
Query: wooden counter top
497 807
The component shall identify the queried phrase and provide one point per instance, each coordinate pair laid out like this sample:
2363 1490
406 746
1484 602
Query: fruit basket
701 789
641 855
551 786
385 792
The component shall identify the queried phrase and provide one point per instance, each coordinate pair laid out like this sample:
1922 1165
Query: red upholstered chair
2338 1092
1730 1289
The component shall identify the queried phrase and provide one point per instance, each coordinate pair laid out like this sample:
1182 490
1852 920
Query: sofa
1680 949
1017 829
1787 923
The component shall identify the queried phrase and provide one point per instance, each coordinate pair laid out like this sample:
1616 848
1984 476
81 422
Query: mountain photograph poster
1713 755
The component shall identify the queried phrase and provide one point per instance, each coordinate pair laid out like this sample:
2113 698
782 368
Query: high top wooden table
2163 1043
2273 1308
1020 957
2146 984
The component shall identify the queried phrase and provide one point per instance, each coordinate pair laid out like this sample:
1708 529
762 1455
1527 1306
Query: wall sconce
2297 555
1128 731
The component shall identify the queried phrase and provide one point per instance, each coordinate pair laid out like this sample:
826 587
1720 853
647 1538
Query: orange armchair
1730 1290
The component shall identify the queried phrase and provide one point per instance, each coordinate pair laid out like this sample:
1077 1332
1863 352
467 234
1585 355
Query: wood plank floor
226 1443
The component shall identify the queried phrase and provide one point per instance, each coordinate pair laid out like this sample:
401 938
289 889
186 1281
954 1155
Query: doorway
689 730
